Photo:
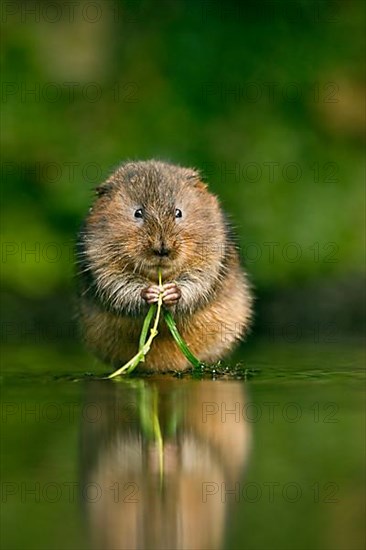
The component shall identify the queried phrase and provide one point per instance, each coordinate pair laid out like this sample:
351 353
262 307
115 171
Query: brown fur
116 262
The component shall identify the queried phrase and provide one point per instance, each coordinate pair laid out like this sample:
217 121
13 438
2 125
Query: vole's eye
178 213
139 213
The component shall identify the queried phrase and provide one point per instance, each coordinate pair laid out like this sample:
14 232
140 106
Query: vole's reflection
157 458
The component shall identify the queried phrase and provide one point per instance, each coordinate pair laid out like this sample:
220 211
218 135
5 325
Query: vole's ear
195 179
201 185
103 188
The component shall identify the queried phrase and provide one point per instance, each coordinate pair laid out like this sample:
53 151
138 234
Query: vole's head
152 215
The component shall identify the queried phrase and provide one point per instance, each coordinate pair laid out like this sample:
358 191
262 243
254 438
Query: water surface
271 456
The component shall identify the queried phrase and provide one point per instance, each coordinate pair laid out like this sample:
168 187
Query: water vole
148 216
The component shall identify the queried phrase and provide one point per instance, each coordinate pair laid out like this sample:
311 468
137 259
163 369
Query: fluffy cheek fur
125 248
133 253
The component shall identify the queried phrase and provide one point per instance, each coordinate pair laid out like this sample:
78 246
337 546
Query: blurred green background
266 98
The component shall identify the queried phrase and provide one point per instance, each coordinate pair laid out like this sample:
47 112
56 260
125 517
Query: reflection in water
156 461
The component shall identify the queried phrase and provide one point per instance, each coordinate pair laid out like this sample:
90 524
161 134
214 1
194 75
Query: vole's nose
162 250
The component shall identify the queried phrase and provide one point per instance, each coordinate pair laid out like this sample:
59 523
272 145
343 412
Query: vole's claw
151 294
171 294
167 287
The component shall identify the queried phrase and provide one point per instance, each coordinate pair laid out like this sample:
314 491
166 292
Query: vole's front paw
171 294
151 294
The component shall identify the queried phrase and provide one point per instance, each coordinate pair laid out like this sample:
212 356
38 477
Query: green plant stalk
179 340
144 347
149 417
146 325
158 435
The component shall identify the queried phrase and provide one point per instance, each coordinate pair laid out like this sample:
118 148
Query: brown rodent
148 216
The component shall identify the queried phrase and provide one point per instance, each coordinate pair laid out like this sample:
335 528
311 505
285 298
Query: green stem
144 347
179 340
146 325
158 435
